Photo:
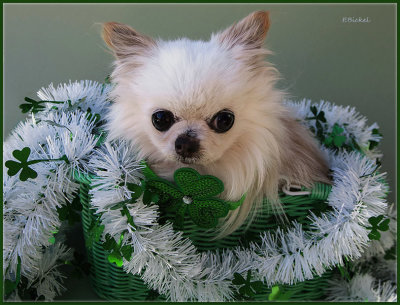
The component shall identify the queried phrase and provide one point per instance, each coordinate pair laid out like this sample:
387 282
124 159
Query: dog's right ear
250 32
125 41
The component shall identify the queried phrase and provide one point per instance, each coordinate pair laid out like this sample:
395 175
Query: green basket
111 282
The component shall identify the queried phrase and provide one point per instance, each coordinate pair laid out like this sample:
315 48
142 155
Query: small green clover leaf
125 212
75 105
35 106
118 252
335 137
192 194
318 117
275 291
52 240
23 165
377 224
278 294
109 243
372 143
14 167
95 117
116 258
238 279
391 253
127 251
31 105
248 289
136 192
135 189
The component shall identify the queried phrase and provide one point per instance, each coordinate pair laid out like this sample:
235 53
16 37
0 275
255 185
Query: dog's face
192 102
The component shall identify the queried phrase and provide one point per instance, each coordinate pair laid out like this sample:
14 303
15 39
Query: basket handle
318 191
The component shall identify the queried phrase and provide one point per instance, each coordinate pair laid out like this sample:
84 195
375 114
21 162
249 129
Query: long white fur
196 79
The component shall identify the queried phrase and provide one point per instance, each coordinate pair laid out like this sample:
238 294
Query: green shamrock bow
192 194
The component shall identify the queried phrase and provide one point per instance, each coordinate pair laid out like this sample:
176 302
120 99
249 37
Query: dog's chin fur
196 79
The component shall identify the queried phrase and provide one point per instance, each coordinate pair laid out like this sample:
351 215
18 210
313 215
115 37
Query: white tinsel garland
388 238
282 257
30 218
84 94
166 261
355 123
362 288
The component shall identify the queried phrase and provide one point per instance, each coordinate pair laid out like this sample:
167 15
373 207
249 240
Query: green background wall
319 56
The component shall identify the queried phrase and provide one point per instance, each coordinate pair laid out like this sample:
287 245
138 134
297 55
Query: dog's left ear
249 33
125 41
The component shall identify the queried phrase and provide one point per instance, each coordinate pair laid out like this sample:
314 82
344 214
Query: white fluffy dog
213 106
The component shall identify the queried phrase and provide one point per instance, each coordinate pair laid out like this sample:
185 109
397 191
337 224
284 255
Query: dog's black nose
187 146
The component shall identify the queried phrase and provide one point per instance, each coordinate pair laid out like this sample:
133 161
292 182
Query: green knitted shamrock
377 224
192 194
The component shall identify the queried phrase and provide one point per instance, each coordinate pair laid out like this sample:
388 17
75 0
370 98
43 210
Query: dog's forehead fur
191 78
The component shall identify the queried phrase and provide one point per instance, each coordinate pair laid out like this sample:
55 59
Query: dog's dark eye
222 121
163 120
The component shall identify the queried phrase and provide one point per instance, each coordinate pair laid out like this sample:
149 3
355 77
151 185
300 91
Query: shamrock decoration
249 288
92 116
52 239
117 250
26 172
318 117
35 106
373 144
377 224
391 253
279 294
192 194
335 137
14 167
